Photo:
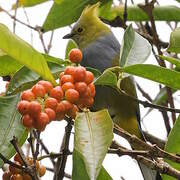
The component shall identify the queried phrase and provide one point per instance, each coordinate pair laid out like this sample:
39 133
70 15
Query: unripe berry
47 85
38 90
72 95
23 107
57 93
27 95
75 55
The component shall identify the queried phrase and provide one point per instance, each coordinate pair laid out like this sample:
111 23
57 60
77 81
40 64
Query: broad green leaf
8 65
172 60
174 45
158 74
2 53
173 146
28 3
137 14
107 78
79 171
70 45
25 78
134 49
10 125
93 136
24 53
65 12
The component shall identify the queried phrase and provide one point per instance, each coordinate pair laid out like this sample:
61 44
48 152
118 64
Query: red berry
60 110
34 108
67 85
92 88
88 102
66 78
75 55
51 103
72 113
69 70
23 107
89 77
27 121
41 121
27 95
81 87
47 85
79 74
72 95
51 113
18 159
57 93
14 170
26 177
67 105
6 175
38 90
61 75
16 177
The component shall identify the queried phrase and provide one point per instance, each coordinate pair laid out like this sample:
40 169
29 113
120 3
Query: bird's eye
80 30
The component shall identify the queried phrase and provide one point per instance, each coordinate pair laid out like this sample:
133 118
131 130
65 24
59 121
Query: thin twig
15 13
50 42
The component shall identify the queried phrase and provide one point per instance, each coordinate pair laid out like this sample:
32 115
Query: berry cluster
17 174
45 103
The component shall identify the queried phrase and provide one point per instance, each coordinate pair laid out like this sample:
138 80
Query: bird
101 50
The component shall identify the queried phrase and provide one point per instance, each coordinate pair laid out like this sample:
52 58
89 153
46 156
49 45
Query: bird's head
88 28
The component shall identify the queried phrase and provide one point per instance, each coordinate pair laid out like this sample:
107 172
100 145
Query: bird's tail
149 174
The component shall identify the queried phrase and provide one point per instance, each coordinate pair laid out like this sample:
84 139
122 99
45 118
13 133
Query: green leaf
172 60
158 74
10 125
173 146
137 14
93 136
25 78
24 53
174 45
65 12
134 49
70 45
8 65
107 78
28 3
79 171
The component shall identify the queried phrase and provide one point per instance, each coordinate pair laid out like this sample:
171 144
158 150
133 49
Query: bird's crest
91 10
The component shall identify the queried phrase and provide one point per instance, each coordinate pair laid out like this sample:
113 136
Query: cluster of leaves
14 58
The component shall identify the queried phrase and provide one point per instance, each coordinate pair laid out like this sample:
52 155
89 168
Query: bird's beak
68 36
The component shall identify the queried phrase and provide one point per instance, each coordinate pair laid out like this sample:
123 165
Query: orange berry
51 103
47 85
57 93
88 102
60 110
26 177
14 170
92 88
81 87
27 95
75 55
87 93
51 113
18 158
66 78
16 177
31 162
67 105
72 95
27 121
34 108
6 175
69 70
72 113
67 85
41 121
89 77
38 90
23 107
79 74
42 170
61 75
